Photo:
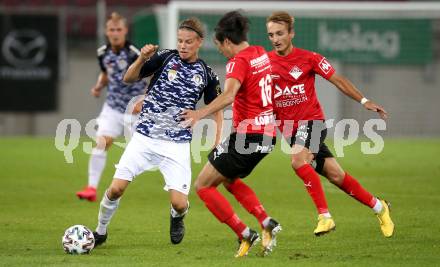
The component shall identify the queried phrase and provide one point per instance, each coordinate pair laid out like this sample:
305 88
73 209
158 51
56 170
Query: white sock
246 232
327 214
96 166
378 206
176 214
106 210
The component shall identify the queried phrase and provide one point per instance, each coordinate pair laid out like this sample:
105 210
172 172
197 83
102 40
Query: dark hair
282 17
194 25
233 26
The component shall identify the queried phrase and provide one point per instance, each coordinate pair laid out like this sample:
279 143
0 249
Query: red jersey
252 106
294 91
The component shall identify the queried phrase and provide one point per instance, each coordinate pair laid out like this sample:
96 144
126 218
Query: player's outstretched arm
100 84
348 88
132 74
218 119
226 98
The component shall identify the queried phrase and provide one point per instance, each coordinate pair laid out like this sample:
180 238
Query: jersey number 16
266 90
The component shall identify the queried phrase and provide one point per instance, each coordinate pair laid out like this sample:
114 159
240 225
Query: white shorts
144 153
111 123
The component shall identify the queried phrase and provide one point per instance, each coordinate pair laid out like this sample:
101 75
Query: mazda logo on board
24 48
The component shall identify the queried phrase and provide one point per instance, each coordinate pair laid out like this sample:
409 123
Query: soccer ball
78 239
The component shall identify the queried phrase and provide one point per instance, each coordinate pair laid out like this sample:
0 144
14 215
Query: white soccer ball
78 239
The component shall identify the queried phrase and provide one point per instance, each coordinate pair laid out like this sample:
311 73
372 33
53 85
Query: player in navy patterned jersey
179 80
114 59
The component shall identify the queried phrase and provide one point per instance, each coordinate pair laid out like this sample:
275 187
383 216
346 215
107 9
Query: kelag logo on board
354 38
375 41
406 41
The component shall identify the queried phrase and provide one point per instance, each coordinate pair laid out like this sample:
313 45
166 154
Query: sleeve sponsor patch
325 66
230 67
218 90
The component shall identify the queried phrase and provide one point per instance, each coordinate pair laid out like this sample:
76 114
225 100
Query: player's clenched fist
95 91
148 50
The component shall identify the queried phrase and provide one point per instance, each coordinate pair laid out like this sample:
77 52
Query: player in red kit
302 121
248 86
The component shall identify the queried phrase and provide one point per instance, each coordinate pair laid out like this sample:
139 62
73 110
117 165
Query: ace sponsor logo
297 89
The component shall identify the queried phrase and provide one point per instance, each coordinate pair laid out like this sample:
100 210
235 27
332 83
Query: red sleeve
237 68
321 66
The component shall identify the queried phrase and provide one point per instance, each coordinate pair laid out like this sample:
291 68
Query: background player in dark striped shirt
114 59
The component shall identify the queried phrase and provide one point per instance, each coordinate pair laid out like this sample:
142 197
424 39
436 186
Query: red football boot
88 193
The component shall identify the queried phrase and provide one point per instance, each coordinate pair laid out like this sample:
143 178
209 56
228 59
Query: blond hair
282 17
115 17
193 24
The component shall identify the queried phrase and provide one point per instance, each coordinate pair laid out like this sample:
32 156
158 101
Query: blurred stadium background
389 49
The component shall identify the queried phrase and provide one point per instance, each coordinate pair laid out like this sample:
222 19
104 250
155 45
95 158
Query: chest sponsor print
297 89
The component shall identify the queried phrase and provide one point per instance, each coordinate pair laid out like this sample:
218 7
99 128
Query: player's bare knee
108 142
300 158
108 145
335 177
201 182
115 192
227 184
180 206
297 161
101 143
199 185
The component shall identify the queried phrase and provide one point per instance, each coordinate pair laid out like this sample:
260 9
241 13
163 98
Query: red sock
313 186
352 187
222 210
248 199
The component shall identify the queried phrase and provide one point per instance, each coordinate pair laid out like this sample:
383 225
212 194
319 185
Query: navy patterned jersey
176 85
115 64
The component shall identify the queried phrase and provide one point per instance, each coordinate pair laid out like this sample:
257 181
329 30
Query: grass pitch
37 203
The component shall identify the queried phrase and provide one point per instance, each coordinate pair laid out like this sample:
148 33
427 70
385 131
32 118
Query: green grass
37 204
